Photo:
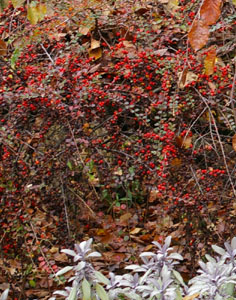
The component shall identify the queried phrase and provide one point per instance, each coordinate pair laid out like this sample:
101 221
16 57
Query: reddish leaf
210 11
198 35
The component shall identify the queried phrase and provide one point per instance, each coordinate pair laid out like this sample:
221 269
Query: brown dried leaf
198 35
209 61
124 218
186 77
154 193
234 142
3 48
94 44
210 11
184 142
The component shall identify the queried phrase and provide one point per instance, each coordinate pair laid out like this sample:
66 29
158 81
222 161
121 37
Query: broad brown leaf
198 35
210 11
3 48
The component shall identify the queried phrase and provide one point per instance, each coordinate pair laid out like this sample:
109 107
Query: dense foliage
126 110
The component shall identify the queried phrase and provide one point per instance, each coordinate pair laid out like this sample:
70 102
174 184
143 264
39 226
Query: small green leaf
86 290
69 165
32 283
101 292
15 57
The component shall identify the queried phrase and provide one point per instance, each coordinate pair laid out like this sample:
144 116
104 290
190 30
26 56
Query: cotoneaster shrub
114 125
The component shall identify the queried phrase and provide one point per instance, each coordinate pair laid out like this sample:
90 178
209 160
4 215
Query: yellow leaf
210 60
191 297
234 2
36 14
95 53
17 3
42 10
32 15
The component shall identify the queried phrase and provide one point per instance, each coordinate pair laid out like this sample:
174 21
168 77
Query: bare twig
84 203
80 158
65 207
48 55
42 253
220 142
232 94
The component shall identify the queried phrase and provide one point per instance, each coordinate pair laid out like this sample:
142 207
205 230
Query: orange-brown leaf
234 142
3 48
209 61
210 11
198 35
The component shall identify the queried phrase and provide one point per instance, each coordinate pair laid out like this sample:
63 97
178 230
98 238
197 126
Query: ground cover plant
117 123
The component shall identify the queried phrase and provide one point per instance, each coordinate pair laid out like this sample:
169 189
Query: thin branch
48 55
220 142
65 207
84 203
232 94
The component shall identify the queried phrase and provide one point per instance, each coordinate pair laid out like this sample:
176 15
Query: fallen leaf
234 142
95 53
94 44
183 142
125 218
198 34
186 77
210 60
3 48
210 11
135 230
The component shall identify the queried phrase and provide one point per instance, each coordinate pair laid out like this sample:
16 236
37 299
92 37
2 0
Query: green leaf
17 3
101 292
14 57
69 165
32 283
86 290
73 292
